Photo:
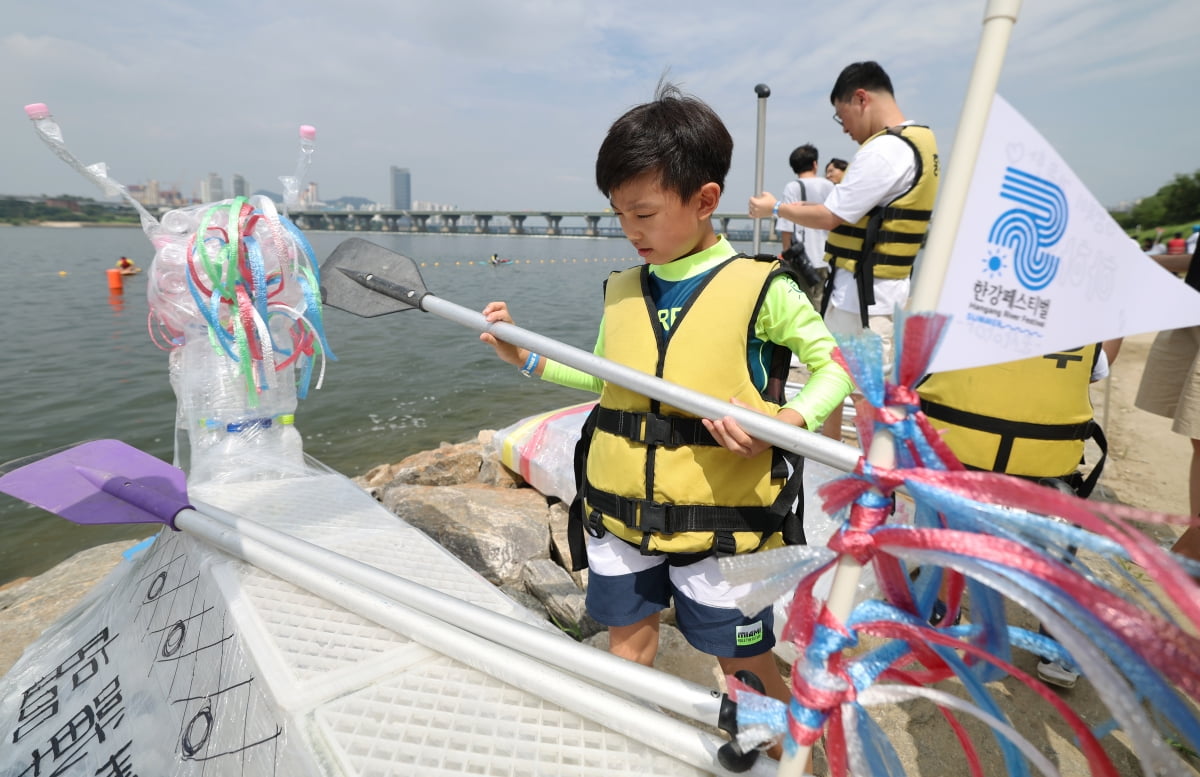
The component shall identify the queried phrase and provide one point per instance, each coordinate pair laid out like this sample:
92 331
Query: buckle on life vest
594 524
657 430
653 517
724 543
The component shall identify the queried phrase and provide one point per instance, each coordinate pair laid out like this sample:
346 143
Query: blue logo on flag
1035 225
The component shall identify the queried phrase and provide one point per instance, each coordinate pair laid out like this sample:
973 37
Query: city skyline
211 188
508 104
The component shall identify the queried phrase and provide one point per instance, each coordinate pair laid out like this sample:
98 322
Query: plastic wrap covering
185 662
541 449
146 676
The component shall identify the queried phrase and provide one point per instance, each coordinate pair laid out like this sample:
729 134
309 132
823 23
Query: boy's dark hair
840 164
860 75
803 158
677 136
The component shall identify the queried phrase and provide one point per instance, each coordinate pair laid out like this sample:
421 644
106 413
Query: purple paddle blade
99 482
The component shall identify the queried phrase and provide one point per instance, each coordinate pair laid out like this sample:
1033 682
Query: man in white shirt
806 188
877 216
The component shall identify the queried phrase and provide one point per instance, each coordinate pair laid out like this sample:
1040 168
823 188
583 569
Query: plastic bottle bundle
234 290
234 293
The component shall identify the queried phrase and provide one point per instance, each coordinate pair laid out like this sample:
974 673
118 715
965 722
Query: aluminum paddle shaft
814 446
624 715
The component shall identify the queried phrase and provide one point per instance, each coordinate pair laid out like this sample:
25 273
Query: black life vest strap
827 292
883 236
647 516
1078 484
670 431
864 270
1009 431
575 517
907 214
1085 489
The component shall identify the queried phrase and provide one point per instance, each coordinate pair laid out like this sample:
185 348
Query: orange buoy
115 281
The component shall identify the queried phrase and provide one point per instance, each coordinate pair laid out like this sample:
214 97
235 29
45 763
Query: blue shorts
625 586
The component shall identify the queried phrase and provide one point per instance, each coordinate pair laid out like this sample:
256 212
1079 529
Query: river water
79 363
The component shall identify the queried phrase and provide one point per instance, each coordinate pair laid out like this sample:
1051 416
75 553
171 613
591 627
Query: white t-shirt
814 190
882 170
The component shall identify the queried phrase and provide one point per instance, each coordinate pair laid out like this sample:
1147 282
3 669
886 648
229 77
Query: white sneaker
1055 673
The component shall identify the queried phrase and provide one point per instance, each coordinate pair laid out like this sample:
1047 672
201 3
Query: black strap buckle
724 544
657 430
654 517
594 524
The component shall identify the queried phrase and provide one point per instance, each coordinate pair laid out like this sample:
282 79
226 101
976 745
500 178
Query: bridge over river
737 226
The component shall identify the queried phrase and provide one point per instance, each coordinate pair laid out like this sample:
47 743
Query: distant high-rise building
309 197
147 194
239 186
401 188
212 188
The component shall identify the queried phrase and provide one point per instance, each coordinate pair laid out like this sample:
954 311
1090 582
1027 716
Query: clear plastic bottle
234 433
44 122
292 183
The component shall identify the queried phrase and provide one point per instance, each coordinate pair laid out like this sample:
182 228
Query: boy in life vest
665 494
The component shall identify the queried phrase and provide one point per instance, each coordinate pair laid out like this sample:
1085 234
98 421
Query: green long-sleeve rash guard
786 318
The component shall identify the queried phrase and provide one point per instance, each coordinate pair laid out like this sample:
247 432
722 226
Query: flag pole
998 20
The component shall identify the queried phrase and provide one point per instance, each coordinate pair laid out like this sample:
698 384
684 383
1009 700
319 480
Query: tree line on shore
1175 203
15 210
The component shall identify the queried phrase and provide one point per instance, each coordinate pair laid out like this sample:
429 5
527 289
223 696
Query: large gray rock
449 464
29 606
493 530
563 600
446 465
560 546
492 471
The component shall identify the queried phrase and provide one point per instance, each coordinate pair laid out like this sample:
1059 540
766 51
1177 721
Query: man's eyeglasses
838 119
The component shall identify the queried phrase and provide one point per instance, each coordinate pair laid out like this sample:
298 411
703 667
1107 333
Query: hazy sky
501 104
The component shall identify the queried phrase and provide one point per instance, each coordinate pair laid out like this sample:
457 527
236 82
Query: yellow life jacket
1028 417
885 241
654 476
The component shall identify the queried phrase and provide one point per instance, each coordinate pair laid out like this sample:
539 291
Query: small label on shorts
750 634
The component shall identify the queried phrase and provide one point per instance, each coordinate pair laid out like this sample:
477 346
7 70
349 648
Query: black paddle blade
368 280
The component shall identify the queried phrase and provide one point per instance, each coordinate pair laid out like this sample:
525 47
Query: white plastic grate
442 718
332 512
371 702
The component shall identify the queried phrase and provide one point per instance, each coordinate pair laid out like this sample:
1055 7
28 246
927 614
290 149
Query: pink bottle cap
308 132
37 111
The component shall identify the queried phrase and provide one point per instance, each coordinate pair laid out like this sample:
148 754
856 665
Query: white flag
1038 264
